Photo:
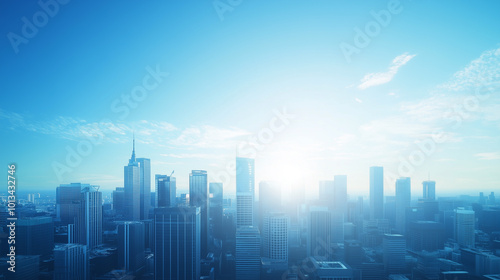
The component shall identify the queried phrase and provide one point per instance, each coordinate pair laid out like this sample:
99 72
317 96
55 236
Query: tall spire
132 159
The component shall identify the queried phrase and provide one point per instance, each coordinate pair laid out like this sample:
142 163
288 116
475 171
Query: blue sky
432 69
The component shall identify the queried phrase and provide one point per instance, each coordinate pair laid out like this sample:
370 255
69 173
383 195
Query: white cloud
375 79
488 156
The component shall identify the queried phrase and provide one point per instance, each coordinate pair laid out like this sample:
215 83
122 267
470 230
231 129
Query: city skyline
329 112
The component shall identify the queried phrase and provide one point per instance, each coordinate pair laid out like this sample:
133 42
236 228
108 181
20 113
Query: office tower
354 254
394 253
321 269
429 188
216 204
198 197
426 236
165 189
131 255
275 236
491 199
88 224
67 202
403 200
244 209
177 243
269 200
245 191
71 261
119 201
319 232
34 236
340 193
376 192
247 253
145 186
132 188
464 227
337 233
327 193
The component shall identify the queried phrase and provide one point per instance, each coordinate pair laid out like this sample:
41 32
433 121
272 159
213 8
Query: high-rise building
269 200
131 255
132 188
34 236
145 186
275 236
71 261
119 201
67 202
394 253
426 236
465 227
166 189
403 200
88 224
177 243
376 192
327 193
319 232
198 197
244 209
247 253
245 191
340 193
429 188
216 204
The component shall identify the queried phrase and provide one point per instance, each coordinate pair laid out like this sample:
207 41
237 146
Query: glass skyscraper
376 192
245 191
177 243
403 200
198 197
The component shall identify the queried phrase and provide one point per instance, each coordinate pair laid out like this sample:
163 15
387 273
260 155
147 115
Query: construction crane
171 173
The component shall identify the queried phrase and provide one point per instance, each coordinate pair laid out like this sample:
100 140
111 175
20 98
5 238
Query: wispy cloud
481 72
488 156
375 79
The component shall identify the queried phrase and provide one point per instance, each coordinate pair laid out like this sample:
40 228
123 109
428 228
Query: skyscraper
145 186
275 236
269 200
216 204
247 253
67 202
177 243
340 193
376 192
245 190
131 255
319 232
429 188
88 224
198 197
71 261
394 253
327 193
132 188
119 201
465 227
403 200
34 236
166 188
